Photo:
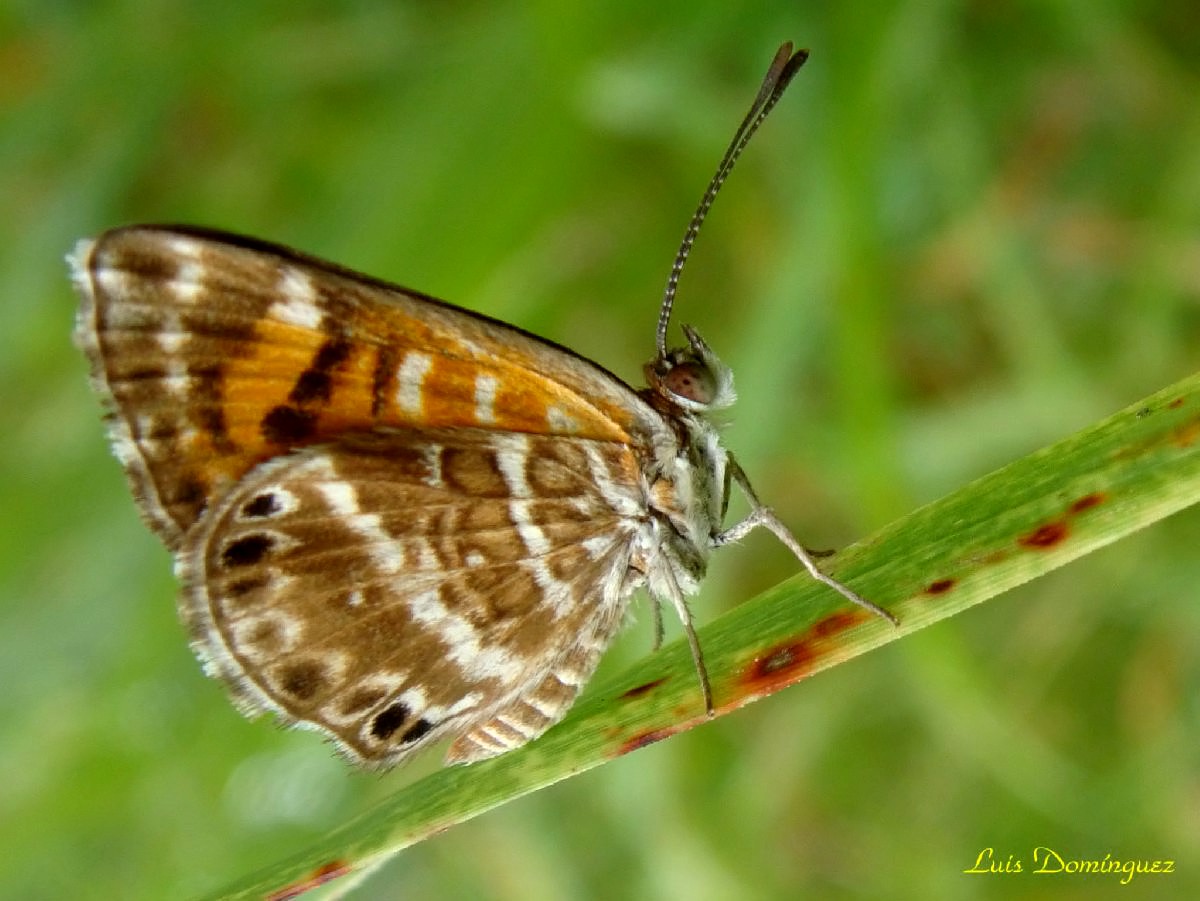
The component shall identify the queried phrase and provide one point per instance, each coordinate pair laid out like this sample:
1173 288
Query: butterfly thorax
686 472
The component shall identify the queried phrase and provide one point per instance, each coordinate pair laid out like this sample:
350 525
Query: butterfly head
691 377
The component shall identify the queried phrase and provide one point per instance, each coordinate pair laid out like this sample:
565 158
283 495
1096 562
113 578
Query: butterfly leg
675 596
763 516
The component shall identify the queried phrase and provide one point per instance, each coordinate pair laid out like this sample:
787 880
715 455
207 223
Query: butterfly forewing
397 586
217 352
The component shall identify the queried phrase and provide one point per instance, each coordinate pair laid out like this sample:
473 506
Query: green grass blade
1020 522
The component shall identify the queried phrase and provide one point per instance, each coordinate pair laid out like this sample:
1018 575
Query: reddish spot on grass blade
649 737
1095 499
790 661
638 690
1046 536
782 665
322 874
1187 434
941 586
835 623
1176 403
775 668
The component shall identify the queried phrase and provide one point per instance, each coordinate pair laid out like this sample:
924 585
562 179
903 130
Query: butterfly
394 520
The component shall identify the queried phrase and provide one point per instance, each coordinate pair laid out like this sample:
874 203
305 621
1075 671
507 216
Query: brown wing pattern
396 587
215 353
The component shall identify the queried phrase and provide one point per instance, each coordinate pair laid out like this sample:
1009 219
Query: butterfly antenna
783 69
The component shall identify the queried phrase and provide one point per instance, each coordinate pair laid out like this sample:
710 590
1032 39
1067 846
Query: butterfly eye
692 381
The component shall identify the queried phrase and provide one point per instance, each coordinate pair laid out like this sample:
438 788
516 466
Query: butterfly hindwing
394 587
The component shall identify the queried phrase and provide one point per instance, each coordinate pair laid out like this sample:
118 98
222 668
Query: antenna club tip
789 53
798 59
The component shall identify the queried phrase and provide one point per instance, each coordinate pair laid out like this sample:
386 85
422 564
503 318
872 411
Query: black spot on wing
247 551
389 720
262 506
417 730
288 425
315 384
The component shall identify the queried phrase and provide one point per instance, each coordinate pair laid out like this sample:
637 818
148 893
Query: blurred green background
968 230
